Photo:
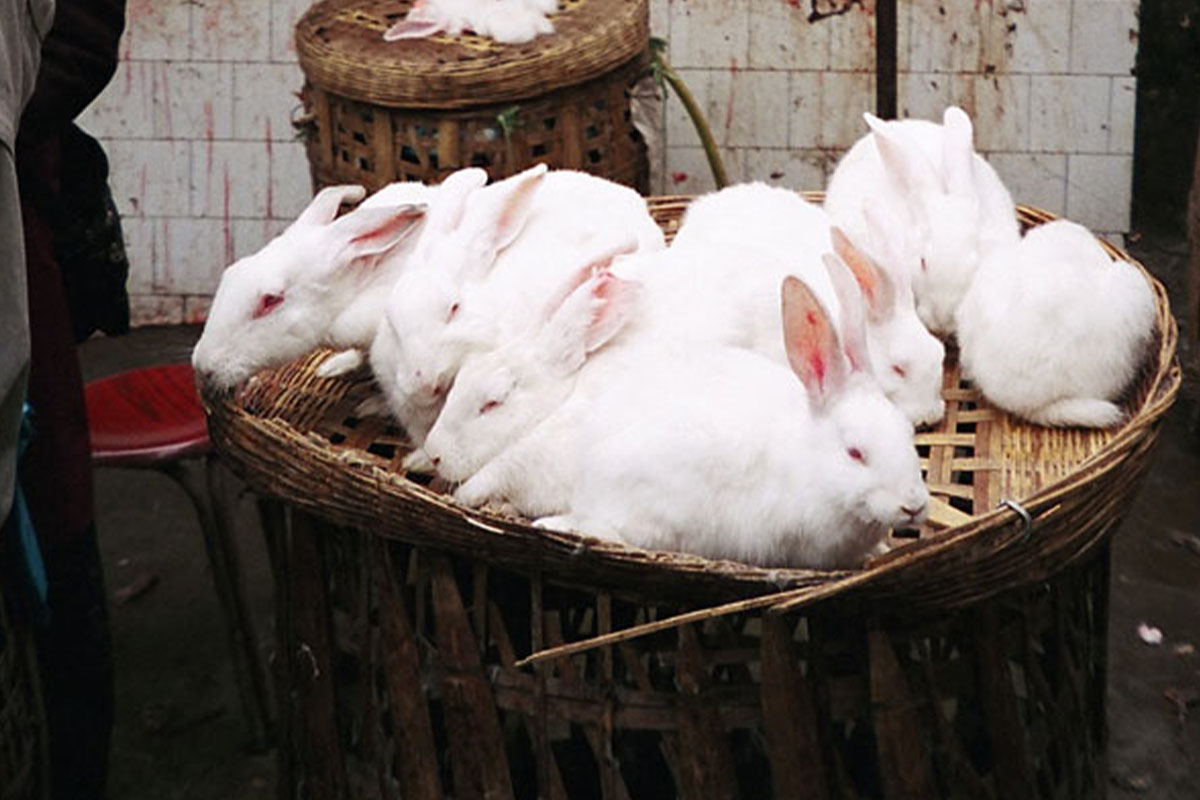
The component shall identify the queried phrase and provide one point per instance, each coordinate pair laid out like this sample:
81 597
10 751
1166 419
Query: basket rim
996 536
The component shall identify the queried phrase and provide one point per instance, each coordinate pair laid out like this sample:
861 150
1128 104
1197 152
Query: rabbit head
905 358
872 464
500 395
278 303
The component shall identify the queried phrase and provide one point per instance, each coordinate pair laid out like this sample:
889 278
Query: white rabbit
1053 329
905 357
318 282
506 21
483 280
713 451
931 180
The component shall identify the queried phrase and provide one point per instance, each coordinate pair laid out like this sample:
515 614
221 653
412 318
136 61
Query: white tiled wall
205 167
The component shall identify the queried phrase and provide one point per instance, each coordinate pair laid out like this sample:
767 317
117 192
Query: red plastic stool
151 418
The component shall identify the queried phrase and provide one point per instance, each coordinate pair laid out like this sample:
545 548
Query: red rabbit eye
452 312
856 454
267 303
488 406
899 370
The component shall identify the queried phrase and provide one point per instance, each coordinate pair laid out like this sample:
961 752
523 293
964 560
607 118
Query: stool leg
215 522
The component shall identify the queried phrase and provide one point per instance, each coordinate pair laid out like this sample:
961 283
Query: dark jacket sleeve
79 58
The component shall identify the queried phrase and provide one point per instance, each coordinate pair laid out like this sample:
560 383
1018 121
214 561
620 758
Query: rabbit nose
437 460
914 511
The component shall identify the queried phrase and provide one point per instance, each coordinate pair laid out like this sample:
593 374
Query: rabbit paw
417 461
340 364
373 406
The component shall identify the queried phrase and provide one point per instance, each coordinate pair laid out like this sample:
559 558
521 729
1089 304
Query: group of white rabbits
749 392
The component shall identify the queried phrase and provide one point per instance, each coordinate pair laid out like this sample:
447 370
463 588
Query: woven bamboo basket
969 662
24 767
377 112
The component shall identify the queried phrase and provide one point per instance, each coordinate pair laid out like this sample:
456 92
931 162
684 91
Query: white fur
939 190
506 21
327 277
1053 330
679 445
905 357
483 281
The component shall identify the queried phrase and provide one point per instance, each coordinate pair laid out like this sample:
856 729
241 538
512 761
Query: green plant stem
698 120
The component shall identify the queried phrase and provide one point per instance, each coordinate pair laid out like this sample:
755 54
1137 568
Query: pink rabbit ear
508 206
590 265
877 289
588 318
851 306
374 231
811 342
420 23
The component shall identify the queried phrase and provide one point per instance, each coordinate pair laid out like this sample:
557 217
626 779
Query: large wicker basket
969 662
377 112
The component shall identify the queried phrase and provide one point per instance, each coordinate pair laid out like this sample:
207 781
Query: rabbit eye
266 304
856 454
489 406
924 266
452 312
899 370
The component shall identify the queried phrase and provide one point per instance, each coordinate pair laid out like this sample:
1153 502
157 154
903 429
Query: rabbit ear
451 198
421 21
811 342
591 264
903 162
876 285
507 208
324 207
374 231
853 318
589 318
958 151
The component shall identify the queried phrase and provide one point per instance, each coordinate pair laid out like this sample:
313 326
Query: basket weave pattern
966 663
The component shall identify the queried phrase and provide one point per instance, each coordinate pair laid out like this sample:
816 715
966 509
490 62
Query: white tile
806 108
291 181
284 15
1122 116
264 99
781 37
1104 37
1098 191
851 39
154 309
197 252
1040 38
709 33
941 36
757 110
799 170
156 30
230 179
149 178
660 19
999 107
922 95
844 98
1069 114
231 30
688 171
195 101
250 235
1036 179
125 109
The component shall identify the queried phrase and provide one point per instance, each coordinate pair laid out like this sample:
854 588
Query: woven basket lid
341 49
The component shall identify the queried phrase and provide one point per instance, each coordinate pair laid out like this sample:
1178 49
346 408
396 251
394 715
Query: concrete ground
180 734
